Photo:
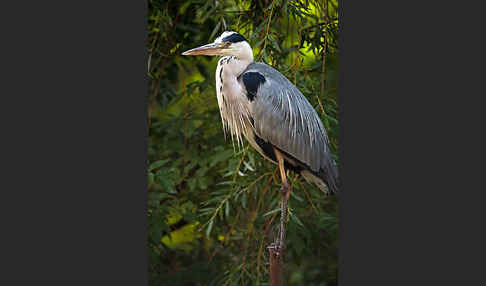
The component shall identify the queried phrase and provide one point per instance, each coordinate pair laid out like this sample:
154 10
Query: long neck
232 106
234 65
238 63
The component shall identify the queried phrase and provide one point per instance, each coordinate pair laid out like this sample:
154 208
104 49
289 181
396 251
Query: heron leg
285 191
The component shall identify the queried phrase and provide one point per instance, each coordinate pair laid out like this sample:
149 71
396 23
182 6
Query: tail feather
327 179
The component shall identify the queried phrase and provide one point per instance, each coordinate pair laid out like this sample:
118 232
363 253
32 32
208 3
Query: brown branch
277 249
276 268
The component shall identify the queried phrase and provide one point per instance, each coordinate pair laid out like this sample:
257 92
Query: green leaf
210 227
220 156
258 43
201 171
294 195
192 184
151 178
248 166
227 209
274 44
203 183
215 30
271 212
296 219
168 185
157 164
243 201
189 167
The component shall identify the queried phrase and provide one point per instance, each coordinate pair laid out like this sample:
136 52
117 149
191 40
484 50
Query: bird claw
276 248
272 245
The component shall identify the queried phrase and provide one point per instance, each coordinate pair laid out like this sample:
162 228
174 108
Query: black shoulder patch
252 81
234 38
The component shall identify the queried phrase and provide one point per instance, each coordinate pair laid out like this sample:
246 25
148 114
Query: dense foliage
214 207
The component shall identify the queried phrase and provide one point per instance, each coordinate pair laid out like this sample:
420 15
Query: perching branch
276 266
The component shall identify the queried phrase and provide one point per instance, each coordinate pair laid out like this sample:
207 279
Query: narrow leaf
157 164
210 227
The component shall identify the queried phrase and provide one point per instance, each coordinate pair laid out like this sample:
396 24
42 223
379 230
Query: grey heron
258 102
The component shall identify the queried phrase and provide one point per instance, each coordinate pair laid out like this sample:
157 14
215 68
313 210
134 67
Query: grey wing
284 117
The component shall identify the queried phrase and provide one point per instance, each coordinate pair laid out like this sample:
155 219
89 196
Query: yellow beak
214 49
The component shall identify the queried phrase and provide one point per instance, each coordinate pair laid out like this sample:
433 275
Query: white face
238 49
220 47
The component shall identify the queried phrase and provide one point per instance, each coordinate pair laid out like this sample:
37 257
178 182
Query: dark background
74 144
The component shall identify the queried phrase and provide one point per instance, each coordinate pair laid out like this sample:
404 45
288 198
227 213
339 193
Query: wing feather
283 116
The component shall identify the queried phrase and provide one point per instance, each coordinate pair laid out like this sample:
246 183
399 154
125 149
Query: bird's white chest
234 106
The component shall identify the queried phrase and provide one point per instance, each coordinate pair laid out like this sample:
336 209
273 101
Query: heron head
228 44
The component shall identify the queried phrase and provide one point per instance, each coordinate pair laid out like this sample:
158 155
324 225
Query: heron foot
274 247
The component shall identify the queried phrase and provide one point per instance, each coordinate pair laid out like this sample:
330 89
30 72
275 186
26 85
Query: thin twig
226 237
266 34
